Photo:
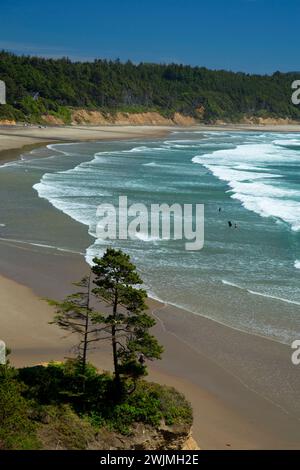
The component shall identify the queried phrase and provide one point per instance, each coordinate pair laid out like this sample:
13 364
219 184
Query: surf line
272 297
40 245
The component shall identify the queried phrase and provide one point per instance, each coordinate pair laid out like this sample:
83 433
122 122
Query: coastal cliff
50 411
98 118
67 432
85 117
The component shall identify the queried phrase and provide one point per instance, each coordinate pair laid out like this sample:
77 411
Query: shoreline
232 378
15 140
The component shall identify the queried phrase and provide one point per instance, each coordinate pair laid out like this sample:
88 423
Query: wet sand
16 138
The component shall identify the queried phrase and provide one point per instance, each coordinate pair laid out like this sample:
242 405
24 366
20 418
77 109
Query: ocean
245 277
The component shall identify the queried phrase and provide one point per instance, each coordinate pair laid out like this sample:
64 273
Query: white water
259 189
256 181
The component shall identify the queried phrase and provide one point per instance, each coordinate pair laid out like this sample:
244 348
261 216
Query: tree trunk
115 356
85 344
114 342
86 334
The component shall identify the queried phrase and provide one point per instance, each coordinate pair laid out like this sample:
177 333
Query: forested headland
38 86
72 405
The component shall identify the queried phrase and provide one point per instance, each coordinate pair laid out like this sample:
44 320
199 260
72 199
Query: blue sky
256 36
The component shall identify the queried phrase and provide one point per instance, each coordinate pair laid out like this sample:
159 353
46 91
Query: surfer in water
229 223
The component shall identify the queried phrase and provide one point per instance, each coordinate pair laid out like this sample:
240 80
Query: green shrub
63 428
63 113
17 431
61 384
163 401
150 404
9 112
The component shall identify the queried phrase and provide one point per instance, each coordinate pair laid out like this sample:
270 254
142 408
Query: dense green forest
112 86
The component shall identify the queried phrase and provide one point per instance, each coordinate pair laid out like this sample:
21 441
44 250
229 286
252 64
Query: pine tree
117 283
75 315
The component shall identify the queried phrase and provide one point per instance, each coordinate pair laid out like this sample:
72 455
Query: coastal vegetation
71 404
125 324
38 87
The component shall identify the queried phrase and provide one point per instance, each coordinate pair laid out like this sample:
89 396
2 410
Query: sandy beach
16 138
13 139
243 388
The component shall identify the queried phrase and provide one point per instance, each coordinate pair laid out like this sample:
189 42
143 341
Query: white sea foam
285 210
5 165
292 143
297 264
72 191
251 154
226 173
249 167
142 148
231 284
57 148
261 190
145 237
61 199
261 294
41 245
150 164
145 149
